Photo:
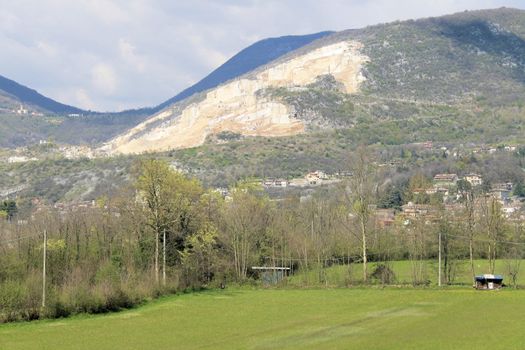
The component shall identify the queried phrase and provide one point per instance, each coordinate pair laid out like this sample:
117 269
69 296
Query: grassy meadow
371 318
343 275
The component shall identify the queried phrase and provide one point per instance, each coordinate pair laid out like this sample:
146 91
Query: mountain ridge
26 95
249 58
448 60
100 126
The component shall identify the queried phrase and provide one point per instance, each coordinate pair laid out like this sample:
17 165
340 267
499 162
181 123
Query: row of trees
167 233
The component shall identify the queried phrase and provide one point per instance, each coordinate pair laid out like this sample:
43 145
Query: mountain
20 94
258 54
429 68
26 117
435 95
18 103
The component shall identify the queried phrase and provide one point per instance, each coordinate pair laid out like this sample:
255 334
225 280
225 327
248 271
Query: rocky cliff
239 106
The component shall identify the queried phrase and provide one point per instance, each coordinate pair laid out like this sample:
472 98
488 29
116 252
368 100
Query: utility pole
164 257
44 271
439 261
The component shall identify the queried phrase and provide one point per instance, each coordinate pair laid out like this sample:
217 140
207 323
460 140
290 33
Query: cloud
109 54
104 79
47 48
82 98
108 11
128 54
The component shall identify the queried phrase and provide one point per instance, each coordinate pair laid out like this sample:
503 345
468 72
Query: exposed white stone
236 107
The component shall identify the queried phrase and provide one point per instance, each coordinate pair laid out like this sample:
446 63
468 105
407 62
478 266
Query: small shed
271 274
488 282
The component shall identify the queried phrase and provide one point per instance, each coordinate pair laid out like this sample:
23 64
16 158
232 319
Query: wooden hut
271 274
488 282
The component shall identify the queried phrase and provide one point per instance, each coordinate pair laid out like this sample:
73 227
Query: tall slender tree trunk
365 258
164 257
490 259
157 256
470 213
471 257
236 257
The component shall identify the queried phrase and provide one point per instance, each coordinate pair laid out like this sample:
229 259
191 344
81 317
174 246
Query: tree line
167 233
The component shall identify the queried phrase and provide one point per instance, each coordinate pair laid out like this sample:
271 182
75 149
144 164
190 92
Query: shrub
20 300
383 274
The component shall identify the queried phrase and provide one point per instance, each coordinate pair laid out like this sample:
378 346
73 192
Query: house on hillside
316 177
445 180
504 186
454 209
437 189
501 191
416 210
501 195
474 179
276 183
384 217
22 110
267 182
281 183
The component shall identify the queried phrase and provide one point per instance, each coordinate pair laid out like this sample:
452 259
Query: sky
110 55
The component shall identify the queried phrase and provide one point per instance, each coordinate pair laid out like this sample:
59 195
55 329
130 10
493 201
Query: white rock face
235 107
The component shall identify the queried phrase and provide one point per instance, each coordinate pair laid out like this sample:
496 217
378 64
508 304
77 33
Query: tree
153 187
245 220
493 222
198 257
416 189
515 253
519 189
451 248
359 197
168 198
9 209
391 198
464 186
466 191
416 243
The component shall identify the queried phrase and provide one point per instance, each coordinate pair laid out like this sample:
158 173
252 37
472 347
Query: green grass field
338 275
372 318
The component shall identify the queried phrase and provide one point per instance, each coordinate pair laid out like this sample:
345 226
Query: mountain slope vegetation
454 80
470 62
88 127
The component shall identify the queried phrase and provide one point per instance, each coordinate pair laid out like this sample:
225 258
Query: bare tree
416 245
246 218
359 198
515 253
493 222
467 194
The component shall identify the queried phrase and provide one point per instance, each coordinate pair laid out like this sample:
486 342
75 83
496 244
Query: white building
474 179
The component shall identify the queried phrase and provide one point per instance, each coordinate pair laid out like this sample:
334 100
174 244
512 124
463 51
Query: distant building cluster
22 110
447 185
314 178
